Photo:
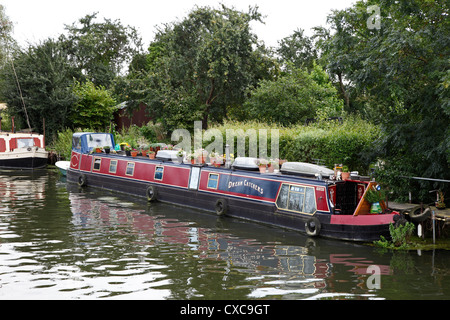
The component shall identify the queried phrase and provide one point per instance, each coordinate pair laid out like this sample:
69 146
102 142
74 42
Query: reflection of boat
63 166
317 206
22 151
298 261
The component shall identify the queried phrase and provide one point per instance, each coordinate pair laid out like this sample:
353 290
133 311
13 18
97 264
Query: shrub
346 143
400 236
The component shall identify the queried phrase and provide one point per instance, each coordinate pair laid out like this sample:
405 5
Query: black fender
82 180
312 227
151 193
221 207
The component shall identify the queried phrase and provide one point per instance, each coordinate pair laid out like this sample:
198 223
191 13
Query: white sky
36 20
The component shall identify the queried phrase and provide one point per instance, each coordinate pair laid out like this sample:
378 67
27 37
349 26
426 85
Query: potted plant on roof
180 156
151 154
107 149
345 173
191 157
218 161
127 150
271 165
262 165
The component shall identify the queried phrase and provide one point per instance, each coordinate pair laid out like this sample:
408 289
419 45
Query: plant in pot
262 165
375 196
191 157
213 157
180 156
107 149
218 161
440 204
271 165
144 151
127 150
151 154
345 173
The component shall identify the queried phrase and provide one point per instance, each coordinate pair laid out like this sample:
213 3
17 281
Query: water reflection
62 242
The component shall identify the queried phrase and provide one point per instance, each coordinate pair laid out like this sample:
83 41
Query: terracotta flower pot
134 154
345 175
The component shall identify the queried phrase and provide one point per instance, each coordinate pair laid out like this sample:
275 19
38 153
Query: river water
58 241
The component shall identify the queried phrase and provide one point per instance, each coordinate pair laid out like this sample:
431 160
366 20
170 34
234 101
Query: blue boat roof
84 142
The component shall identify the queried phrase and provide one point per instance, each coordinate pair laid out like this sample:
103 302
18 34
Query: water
58 241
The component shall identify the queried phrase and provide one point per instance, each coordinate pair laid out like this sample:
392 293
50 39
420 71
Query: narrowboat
22 151
297 197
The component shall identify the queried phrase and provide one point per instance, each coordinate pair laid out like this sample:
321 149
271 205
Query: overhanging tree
204 64
399 73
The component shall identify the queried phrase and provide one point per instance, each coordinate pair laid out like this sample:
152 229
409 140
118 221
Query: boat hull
23 162
357 229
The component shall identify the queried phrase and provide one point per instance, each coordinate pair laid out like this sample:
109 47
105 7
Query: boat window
159 171
25 142
98 139
297 198
310 201
97 163
130 169
283 196
213 181
113 166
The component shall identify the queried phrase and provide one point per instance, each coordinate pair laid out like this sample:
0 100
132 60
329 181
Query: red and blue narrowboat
301 197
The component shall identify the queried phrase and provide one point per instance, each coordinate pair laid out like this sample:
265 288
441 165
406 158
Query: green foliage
397 76
330 141
62 144
374 196
46 80
6 29
297 51
400 236
293 98
201 66
94 108
100 49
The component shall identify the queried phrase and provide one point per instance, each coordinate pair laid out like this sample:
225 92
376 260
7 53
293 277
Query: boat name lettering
245 183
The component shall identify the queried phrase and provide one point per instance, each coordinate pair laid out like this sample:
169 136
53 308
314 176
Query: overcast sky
36 20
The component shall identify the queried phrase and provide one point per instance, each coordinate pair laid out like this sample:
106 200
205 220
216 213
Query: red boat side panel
175 176
321 199
12 144
362 220
37 142
75 160
86 161
2 145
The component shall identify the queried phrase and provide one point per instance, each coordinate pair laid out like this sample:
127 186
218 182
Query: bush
346 143
400 236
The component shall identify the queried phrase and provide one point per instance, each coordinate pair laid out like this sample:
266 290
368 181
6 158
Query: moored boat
312 203
22 151
63 166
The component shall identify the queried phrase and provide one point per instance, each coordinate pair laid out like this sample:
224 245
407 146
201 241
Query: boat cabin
11 141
